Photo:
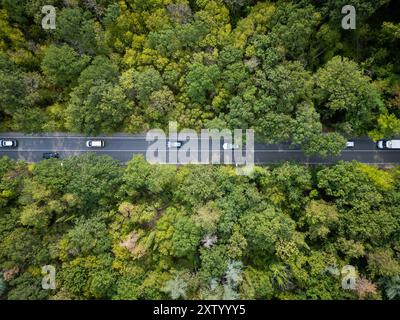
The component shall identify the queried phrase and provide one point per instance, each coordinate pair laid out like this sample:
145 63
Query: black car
51 155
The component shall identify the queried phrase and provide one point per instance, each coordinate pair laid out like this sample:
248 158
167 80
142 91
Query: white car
230 146
350 144
8 143
175 144
95 143
388 144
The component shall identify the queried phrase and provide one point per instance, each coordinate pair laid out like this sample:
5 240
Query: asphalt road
123 147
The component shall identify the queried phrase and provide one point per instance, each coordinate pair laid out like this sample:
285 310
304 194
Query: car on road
175 144
350 144
95 143
8 143
230 146
51 155
388 144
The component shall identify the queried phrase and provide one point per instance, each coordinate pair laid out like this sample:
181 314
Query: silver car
230 146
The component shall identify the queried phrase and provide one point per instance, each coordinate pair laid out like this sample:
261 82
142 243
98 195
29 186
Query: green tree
277 103
287 23
94 180
128 286
343 181
87 237
101 68
101 110
388 127
142 178
381 262
12 87
18 248
186 237
264 228
287 186
329 144
392 287
213 263
141 84
76 27
62 65
161 104
198 185
345 96
28 119
27 287
320 218
256 285
200 82
102 283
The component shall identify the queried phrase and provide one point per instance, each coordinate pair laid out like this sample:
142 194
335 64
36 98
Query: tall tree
62 65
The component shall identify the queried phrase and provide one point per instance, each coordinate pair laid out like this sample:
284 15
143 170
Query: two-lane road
123 147
31 147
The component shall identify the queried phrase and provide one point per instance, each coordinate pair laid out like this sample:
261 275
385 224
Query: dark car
51 155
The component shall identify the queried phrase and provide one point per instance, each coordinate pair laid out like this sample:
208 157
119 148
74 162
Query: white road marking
92 138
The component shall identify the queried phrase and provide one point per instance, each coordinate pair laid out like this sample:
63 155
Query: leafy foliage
154 232
282 68
129 66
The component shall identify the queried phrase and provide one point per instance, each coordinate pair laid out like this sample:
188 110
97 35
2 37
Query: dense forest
198 232
287 69
284 68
